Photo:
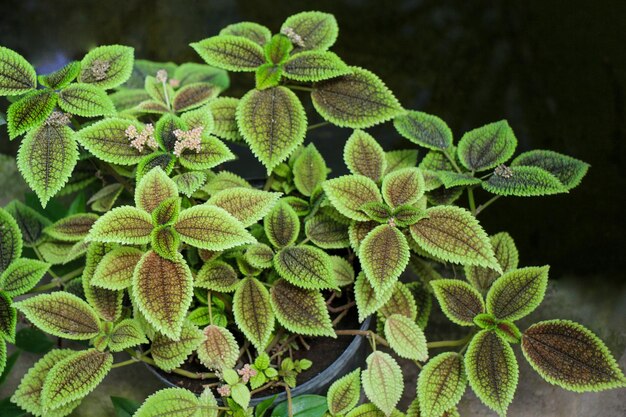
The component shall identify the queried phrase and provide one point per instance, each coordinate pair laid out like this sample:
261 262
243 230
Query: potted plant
226 286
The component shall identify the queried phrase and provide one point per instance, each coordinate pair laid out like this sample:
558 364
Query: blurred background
556 70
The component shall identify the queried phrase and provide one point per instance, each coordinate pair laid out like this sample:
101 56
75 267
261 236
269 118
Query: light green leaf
278 49
224 180
402 158
72 228
169 353
267 76
194 95
17 76
125 224
166 212
54 251
403 186
517 293
219 350
107 66
350 192
175 402
326 232
357 100
126 334
253 312
165 241
30 222
107 140
343 270
384 254
10 240
163 160
455 179
343 395
106 302
154 188
487 147
199 118
523 181
423 301
358 230
364 156
245 204
401 302
127 100
315 30
459 301
224 110
366 410
22 275
309 170
382 381
314 66
306 267
30 111
282 225
251 30
8 321
259 255
232 53
367 301
85 100
212 153
406 338
424 129
189 182
61 77
569 171
217 276
441 384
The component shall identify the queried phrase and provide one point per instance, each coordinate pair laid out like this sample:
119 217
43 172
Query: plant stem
452 161
182 372
58 281
450 343
472 203
268 183
487 204
316 125
367 333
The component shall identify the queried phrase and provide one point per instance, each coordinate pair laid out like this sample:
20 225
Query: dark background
555 69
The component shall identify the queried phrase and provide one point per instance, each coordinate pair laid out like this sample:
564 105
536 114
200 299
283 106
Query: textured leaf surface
163 291
326 232
223 181
219 349
245 204
22 275
224 110
30 222
300 310
507 255
106 302
127 100
402 158
158 159
384 254
492 370
194 95
570 171
403 186
455 179
217 276
524 181
232 53
350 192
309 170
127 333
8 321
72 228
459 301
272 122
366 410
10 240
424 129
253 312
107 140
251 30
17 76
367 301
343 270
118 61
305 266
517 293
382 381
453 234
166 212
85 100
123 224
343 395
441 384
317 30
212 153
259 255
406 338
61 77
358 100
401 302
364 156
189 182
569 355
165 241
487 147
278 49
46 159
154 188
282 225
169 353
29 112
115 270
190 72
314 66
61 314
174 402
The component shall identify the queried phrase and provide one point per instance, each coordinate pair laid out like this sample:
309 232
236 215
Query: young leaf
194 95
61 314
30 222
273 123
163 290
282 225
8 321
384 254
357 100
314 66
367 301
107 66
29 112
401 302
189 182
569 355
326 232
212 153
267 76
170 353
61 77
424 129
507 255
517 293
459 301
245 204
523 181
85 100
382 381
343 395
166 212
406 338
570 171
455 179
123 224
259 255
403 186
364 156
219 349
309 170
212 228
492 370
232 53
278 49
508 331
107 140
10 240
165 241
253 31
487 147
441 384
72 228
115 270
224 111
350 192
17 76
253 312
175 402
453 234
22 275
154 188
165 128
300 310
217 276
126 334
343 270
315 30
305 266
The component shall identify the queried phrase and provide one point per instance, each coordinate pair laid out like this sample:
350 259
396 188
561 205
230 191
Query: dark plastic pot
351 358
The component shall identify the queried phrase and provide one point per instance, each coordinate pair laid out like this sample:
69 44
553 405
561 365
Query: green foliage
253 31
107 140
487 147
406 338
177 402
61 77
441 384
403 186
126 334
517 293
232 53
384 254
523 181
30 222
403 158
367 301
326 232
85 100
314 66
123 224
107 303
245 204
189 182
169 353
569 171
72 228
316 30
424 129
224 110
364 156
10 240
193 95
17 76
219 349
282 225
382 381
8 321
401 302
507 255
154 188
309 170
344 393
350 192
259 255
343 270
22 275
305 266
253 312
115 270
107 66
459 301
217 276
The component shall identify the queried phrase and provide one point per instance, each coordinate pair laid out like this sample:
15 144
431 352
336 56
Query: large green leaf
350 192
406 338
492 370
382 381
523 181
384 254
569 355
315 30
232 53
17 76
22 275
314 66
177 402
219 350
169 353
30 222
441 384
107 66
570 171
517 293
424 129
309 170
191 72
403 186
218 276
487 147
277 50
85 100
72 228
459 301
343 395
253 312
300 310
272 122
124 224
282 225
364 156
253 31
245 204
507 255
224 110
61 77
10 240
107 140
326 232
305 266
367 301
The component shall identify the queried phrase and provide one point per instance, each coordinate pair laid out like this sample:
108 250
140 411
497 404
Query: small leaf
85 100
232 53
72 228
61 314
305 266
165 241
17 76
199 118
219 349
115 270
401 302
366 410
8 321
30 222
517 293
278 49
382 381
259 255
487 147
357 100
10 239
170 353
245 204
309 170
314 66
123 224
343 395
350 192
174 402
166 212
492 370
253 312
55 252
343 270
194 95
453 234
224 111
508 331
570 171
22 275
212 153
126 334
107 140
424 129
189 182
441 384
507 255
403 158
524 181
30 111
272 122
455 179
107 66
407 215
61 77
282 225
326 232
316 30
406 338
384 254
268 76
367 301
217 276
459 301
364 156
403 186
253 31
163 290
300 310
154 188
128 100
165 128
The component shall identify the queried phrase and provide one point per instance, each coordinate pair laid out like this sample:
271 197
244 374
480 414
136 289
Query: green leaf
282 225
401 302
453 234
406 338
507 255
165 128
107 140
570 171
326 232
10 240
191 72
8 321
459 301
212 153
163 290
85 100
259 255
30 222
217 276
487 147
309 170
423 301
343 395
267 76
107 66
424 129
163 160
123 224
126 334
194 95
300 310
6 366
253 31
224 180
33 340
382 381
61 77
492 370
115 270
264 406
278 49
165 241
232 53
253 312
569 355
199 118
441 384
106 302
273 123
517 293
127 100
170 353
305 266
161 93
189 182
104 199
245 204
72 228
357 100
17 76
174 402
30 112
166 212
314 66
219 350
22 275
366 410
343 270
124 407
61 314
523 181
154 188
403 158
384 254
508 331
456 179
350 192
306 405
315 30
224 110
55 252
367 301
403 186
364 156
407 215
